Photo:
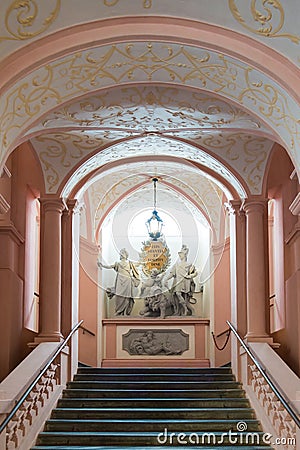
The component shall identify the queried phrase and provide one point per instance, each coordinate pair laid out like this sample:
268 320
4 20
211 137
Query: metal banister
86 330
294 415
38 377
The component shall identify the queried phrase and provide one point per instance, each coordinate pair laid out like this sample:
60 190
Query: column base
254 338
49 338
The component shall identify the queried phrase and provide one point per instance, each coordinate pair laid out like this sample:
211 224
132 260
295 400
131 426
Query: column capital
295 205
255 205
72 206
52 204
234 207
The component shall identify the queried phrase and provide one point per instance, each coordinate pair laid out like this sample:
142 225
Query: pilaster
256 264
50 269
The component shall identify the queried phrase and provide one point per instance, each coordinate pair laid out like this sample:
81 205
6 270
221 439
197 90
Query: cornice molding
13 233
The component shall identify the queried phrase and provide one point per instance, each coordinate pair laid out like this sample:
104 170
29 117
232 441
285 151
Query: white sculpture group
159 300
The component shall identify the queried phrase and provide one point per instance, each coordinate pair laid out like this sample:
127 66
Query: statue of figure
127 278
183 284
155 301
148 344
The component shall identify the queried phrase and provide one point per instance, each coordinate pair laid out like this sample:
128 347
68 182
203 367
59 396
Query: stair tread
141 399
230 421
153 409
114 409
108 447
128 433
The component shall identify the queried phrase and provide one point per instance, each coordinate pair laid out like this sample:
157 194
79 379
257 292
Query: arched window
32 263
276 264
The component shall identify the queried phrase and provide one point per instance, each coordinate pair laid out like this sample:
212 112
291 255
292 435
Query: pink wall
88 295
14 336
222 300
280 184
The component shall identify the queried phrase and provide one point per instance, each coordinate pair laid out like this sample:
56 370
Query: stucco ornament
27 19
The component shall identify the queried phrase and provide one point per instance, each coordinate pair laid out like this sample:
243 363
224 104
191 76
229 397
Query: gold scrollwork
147 4
265 19
57 153
23 19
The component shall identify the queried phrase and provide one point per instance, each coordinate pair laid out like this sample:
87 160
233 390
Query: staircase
146 408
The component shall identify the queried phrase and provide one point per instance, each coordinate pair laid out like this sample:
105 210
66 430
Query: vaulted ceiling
110 93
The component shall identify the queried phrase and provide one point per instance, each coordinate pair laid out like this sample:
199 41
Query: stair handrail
227 332
86 330
21 400
292 412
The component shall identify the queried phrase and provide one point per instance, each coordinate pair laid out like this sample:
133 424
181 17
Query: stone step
129 425
130 408
121 393
163 377
153 402
145 439
144 385
154 370
109 447
239 414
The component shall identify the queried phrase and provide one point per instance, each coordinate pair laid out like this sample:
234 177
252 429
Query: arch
193 154
275 103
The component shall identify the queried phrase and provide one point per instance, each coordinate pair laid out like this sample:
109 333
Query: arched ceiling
89 85
152 120
190 185
273 23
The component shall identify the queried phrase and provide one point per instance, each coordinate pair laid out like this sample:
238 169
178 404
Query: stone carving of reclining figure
148 344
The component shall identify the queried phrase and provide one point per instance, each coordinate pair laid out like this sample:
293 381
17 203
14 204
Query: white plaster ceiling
163 120
127 181
273 23
109 101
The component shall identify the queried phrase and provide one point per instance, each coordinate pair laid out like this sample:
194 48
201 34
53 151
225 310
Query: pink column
257 294
50 269
238 266
237 278
69 258
70 278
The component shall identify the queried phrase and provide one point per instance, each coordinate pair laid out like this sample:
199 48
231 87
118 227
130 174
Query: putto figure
183 274
151 290
127 278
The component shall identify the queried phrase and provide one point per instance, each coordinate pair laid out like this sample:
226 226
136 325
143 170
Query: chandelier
154 224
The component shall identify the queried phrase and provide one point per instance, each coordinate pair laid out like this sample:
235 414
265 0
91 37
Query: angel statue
127 278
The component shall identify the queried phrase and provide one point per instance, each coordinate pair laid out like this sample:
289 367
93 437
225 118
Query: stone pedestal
154 342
